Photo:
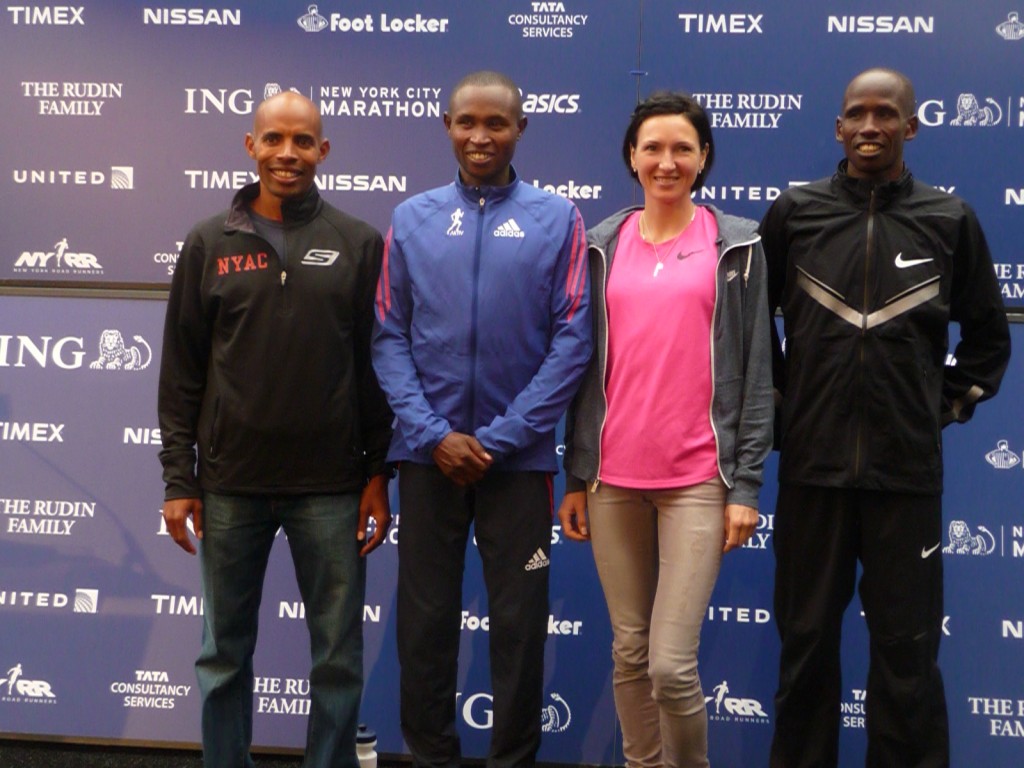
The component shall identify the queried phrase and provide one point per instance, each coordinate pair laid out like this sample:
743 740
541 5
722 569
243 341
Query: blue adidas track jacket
482 320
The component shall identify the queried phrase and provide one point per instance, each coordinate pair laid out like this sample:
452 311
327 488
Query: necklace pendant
657 268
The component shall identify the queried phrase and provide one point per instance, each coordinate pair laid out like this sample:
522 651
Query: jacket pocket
214 425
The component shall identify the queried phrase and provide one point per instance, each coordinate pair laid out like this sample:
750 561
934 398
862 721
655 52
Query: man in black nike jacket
870 267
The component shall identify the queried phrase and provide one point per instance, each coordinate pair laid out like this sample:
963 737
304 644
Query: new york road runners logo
726 708
58 261
15 687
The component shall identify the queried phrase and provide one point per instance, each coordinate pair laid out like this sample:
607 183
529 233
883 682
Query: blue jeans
238 533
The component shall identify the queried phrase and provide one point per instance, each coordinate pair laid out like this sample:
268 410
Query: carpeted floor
32 754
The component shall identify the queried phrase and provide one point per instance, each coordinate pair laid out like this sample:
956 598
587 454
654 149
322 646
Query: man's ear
911 130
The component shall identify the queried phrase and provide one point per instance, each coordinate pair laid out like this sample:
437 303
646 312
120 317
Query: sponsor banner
81 600
724 706
46 15
164 16
722 23
853 709
341 182
150 689
183 116
734 699
969 109
557 627
281 696
18 688
1002 717
886 24
43 349
110 160
108 352
45 517
371 23
550 21
71 98
116 177
401 101
476 711
1012 29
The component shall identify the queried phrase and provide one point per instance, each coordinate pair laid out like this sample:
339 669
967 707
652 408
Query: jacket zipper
284 274
474 311
868 254
604 368
711 345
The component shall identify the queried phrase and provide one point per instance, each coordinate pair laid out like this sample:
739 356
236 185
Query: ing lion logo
969 111
555 717
963 542
115 356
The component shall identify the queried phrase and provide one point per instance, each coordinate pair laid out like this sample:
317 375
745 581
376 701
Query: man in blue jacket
483 332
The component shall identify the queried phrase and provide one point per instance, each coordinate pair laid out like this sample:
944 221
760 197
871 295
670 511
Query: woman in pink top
666 439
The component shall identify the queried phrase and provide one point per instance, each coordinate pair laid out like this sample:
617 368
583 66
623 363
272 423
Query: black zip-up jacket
266 365
869 276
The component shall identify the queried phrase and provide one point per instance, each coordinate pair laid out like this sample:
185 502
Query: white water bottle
366 747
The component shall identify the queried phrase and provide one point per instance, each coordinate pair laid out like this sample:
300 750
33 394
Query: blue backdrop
124 125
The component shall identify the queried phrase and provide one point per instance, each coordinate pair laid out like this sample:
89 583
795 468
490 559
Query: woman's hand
573 515
740 523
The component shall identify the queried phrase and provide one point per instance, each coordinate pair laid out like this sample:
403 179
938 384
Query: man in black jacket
266 370
870 267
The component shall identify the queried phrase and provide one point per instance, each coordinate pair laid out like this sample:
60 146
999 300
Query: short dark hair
671 103
906 98
487 77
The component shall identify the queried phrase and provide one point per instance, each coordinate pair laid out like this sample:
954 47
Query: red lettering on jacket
242 262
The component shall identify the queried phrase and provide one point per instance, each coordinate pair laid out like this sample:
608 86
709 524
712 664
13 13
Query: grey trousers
658 553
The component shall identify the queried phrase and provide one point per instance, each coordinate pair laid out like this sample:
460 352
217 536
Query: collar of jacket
731 230
296 211
494 194
606 233
858 191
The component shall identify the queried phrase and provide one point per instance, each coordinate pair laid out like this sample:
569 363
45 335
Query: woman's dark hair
671 103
